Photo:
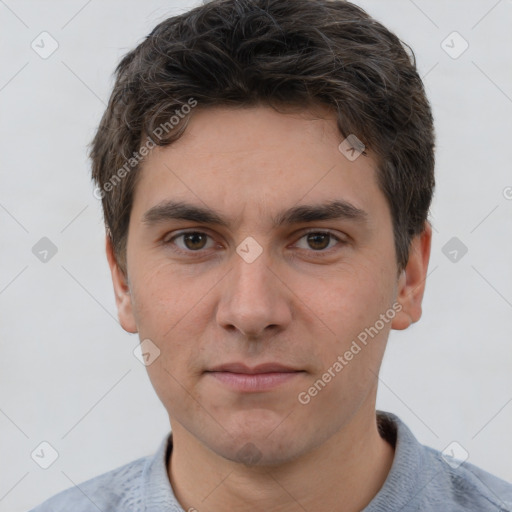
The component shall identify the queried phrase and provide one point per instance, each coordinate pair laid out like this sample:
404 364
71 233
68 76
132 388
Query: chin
259 446
261 453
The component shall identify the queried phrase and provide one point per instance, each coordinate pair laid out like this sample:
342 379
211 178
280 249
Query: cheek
350 364
348 309
347 300
172 312
162 298
175 372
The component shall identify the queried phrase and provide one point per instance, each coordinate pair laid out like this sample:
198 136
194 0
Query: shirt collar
398 489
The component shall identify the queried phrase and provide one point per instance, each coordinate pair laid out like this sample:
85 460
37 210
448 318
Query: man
266 171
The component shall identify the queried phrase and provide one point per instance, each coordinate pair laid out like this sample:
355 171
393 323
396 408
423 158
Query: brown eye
191 241
194 241
318 241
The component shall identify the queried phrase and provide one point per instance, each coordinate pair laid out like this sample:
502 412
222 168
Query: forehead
235 159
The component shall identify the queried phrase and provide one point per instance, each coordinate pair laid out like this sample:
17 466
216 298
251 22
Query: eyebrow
332 210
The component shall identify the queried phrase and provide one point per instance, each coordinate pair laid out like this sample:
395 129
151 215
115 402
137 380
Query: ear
411 283
121 290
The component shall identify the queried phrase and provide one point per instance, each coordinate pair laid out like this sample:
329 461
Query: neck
349 468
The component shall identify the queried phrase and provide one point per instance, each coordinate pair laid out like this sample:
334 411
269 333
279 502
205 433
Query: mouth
242 378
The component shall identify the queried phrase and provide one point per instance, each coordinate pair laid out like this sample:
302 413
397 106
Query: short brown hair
280 53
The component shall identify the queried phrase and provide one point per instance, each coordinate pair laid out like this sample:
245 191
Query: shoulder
423 478
466 486
119 489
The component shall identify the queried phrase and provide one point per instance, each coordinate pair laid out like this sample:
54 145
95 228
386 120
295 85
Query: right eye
190 241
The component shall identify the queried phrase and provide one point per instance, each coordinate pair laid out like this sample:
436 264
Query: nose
254 299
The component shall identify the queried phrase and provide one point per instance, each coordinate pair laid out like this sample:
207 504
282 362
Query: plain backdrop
67 369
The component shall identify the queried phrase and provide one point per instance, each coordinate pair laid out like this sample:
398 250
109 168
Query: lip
261 368
242 378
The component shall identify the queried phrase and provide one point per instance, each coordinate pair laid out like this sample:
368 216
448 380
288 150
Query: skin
295 304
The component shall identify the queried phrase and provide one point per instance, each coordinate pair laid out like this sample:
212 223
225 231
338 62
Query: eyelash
318 253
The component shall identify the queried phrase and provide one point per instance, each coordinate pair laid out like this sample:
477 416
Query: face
258 270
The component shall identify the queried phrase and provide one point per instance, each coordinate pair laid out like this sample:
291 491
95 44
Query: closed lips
262 368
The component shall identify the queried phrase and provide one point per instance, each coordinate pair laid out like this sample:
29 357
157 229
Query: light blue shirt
420 480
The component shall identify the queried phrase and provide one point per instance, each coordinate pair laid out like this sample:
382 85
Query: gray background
67 369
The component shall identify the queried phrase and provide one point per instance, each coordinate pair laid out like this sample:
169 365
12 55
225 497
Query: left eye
193 241
319 240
